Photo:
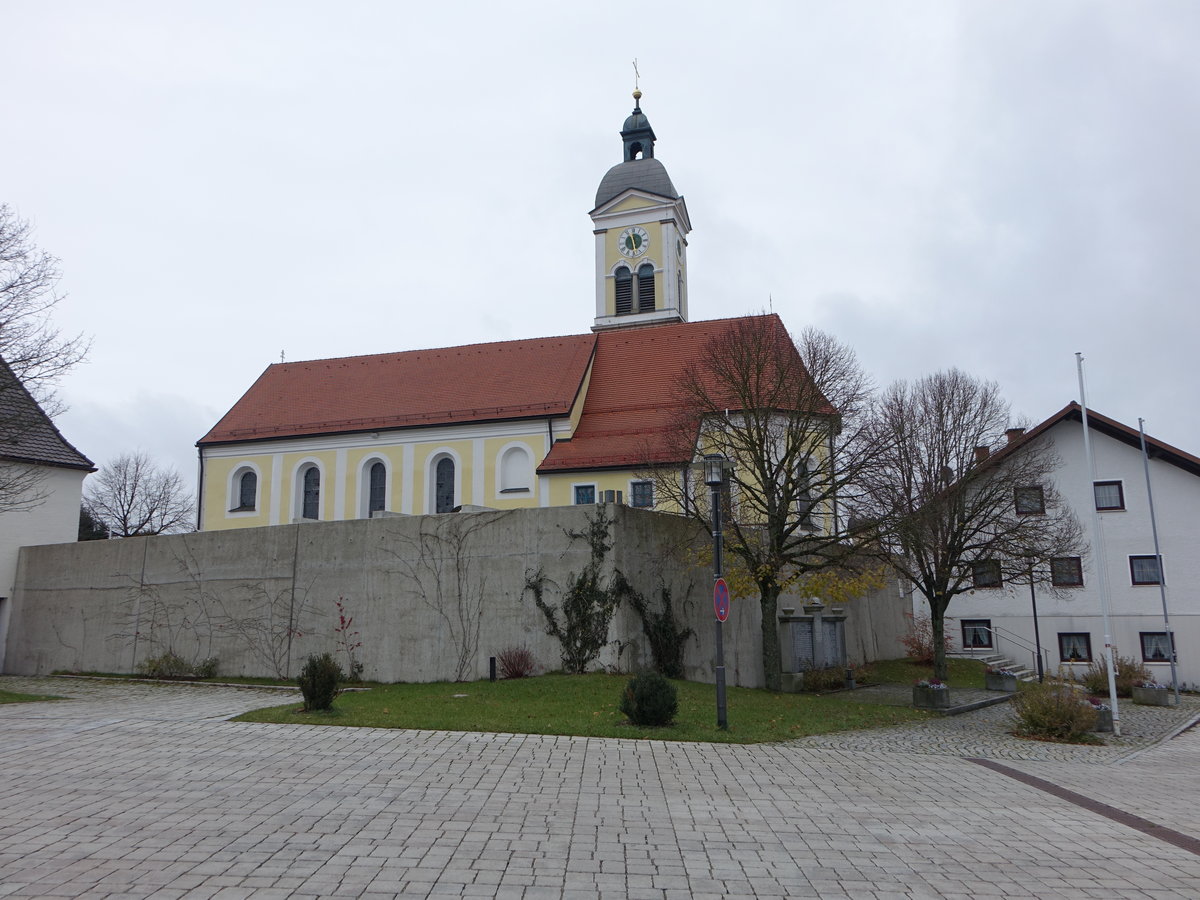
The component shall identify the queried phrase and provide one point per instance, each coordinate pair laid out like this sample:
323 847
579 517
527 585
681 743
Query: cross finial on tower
637 91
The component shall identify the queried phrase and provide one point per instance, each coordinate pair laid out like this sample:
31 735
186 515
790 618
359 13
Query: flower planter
1103 720
997 682
1152 696
931 698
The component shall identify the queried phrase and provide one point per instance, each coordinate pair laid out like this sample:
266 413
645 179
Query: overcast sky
992 186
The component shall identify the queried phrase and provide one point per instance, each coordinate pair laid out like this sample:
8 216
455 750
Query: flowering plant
1000 671
1098 705
934 683
1154 685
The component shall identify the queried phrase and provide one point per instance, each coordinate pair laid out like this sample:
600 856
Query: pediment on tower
642 205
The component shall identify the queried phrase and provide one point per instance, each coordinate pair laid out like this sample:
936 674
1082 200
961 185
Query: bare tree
34 349
791 416
132 496
952 508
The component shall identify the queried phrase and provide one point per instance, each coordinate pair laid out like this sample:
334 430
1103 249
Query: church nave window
377 488
311 494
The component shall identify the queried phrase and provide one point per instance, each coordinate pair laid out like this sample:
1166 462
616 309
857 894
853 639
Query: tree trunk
937 620
772 666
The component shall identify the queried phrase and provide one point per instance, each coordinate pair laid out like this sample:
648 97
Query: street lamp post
714 477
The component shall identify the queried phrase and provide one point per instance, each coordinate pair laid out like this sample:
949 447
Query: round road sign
721 599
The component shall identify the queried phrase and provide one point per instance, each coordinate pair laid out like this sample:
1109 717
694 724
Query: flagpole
1098 555
1162 574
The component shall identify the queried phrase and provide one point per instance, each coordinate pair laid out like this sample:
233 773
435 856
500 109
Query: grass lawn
964 673
13 697
587 705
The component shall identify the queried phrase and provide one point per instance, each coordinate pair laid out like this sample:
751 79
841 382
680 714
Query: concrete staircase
996 661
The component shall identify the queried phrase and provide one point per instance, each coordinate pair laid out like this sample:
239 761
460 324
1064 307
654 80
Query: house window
1155 647
985 573
377 490
1144 570
1074 646
1109 495
311 500
1066 571
976 633
646 288
585 494
641 494
443 490
1030 501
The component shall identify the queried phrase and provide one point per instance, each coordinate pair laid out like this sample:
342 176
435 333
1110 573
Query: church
540 422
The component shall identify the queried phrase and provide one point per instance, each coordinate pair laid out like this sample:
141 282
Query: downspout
200 489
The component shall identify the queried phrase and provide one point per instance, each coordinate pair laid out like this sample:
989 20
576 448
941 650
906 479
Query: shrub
830 679
515 662
649 699
1055 711
666 634
319 681
918 643
166 666
1127 671
206 668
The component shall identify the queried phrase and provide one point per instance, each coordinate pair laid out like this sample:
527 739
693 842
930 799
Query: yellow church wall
220 496
630 203
326 460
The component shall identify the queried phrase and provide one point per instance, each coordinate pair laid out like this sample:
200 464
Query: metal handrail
1014 638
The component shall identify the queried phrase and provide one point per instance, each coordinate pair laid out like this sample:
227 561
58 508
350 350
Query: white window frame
528 490
653 498
233 491
431 465
364 483
308 462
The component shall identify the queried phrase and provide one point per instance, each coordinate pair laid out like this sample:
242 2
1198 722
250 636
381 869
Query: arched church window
646 288
378 487
444 486
247 491
516 471
624 287
311 504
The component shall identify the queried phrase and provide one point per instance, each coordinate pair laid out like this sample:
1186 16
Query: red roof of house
631 415
473 383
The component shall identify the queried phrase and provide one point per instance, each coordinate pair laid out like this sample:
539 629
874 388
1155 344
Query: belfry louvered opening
624 284
646 288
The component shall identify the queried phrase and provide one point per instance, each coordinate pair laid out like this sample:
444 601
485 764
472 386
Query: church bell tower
641 227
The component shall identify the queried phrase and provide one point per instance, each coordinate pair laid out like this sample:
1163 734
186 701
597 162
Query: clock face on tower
633 241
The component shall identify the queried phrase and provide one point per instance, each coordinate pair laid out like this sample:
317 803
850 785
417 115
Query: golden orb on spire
637 96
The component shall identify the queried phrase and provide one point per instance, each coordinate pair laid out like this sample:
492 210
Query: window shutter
646 288
624 288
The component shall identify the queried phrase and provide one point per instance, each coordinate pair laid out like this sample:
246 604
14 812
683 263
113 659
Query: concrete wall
432 597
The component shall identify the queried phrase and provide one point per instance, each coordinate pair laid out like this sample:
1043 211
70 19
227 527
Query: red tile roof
472 383
631 414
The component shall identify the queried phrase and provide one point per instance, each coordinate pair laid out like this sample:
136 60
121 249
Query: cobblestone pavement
987 732
145 790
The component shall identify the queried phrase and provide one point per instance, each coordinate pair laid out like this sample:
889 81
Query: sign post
714 477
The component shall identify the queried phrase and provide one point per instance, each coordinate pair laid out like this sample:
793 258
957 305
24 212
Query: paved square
146 790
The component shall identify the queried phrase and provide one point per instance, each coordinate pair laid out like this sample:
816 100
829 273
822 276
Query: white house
41 484
1069 617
